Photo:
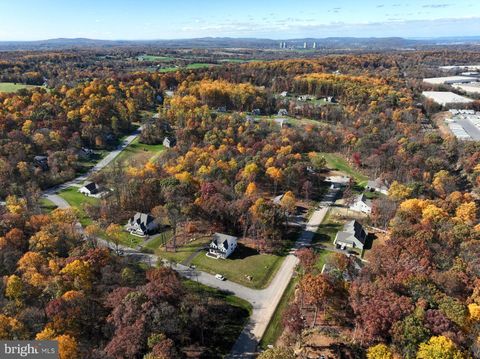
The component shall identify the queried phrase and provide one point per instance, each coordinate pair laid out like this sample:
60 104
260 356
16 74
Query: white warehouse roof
443 98
450 80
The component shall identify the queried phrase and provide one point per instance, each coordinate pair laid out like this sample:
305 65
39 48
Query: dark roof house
353 236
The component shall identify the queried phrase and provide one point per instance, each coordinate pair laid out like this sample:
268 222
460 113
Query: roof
278 199
352 229
378 183
450 80
142 219
91 186
223 240
444 97
364 199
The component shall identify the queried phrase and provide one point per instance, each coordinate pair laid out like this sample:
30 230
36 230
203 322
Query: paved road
50 193
264 302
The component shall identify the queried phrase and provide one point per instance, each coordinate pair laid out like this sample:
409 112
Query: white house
222 245
169 142
141 224
283 112
377 186
91 189
352 236
362 204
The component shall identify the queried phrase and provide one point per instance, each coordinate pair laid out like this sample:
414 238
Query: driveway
264 301
50 193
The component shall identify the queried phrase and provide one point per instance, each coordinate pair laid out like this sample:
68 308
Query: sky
280 19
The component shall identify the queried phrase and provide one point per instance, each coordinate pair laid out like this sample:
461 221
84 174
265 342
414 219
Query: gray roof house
169 142
362 204
141 224
41 162
89 189
352 236
222 245
377 186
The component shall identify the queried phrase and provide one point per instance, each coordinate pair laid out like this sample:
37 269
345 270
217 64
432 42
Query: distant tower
314 45
281 45
284 45
305 45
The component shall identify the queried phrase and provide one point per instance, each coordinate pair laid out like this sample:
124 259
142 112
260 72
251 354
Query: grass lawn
76 200
337 162
12 87
275 326
198 65
327 230
322 256
244 261
137 153
46 205
182 252
155 58
160 240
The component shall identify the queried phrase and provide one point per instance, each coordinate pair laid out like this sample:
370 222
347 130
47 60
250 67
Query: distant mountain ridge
227 42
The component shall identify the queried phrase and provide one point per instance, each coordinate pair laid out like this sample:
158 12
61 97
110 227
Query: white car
219 277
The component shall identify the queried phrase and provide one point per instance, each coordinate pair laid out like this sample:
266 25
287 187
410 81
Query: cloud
380 6
294 27
436 6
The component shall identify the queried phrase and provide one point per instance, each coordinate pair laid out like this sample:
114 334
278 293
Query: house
256 112
222 245
337 181
377 186
282 112
305 98
278 199
169 142
85 153
41 162
362 204
91 189
141 224
284 94
352 236
222 109
331 99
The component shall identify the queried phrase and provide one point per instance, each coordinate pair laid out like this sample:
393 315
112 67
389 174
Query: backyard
243 262
337 162
137 154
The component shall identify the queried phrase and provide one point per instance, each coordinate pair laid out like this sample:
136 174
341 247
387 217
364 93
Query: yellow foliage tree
379 351
439 348
398 191
251 189
81 273
466 213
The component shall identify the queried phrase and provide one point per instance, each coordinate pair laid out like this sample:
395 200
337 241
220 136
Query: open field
77 200
337 162
155 58
12 87
159 240
327 230
183 252
137 154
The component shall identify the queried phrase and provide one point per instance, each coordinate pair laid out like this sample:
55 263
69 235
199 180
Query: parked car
219 277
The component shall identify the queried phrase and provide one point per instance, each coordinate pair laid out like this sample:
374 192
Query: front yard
77 201
242 263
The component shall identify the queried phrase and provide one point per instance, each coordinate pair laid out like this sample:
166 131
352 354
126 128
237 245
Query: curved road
264 301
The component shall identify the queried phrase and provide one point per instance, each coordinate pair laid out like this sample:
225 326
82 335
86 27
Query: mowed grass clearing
337 162
137 154
242 263
155 58
77 201
14 87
